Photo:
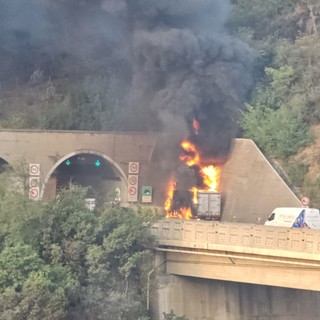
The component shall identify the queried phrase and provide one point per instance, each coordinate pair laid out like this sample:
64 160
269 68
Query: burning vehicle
202 200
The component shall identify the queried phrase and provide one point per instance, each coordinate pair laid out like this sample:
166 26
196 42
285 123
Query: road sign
34 182
133 180
34 169
133 188
305 201
146 194
34 193
133 168
132 191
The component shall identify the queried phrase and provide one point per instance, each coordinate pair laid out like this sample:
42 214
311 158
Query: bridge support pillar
201 299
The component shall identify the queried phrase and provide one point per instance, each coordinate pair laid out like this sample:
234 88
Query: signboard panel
34 182
146 194
133 188
133 168
34 169
34 193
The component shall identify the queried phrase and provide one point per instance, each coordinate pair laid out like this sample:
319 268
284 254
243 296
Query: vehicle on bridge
294 218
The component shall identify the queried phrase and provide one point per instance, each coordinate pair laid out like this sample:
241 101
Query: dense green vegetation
58 260
284 104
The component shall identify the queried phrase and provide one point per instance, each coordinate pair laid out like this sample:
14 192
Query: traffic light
97 163
67 162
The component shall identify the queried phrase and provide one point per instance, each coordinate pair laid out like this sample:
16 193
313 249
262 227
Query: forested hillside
283 111
72 69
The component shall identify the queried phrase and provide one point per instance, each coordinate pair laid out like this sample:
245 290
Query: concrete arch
78 152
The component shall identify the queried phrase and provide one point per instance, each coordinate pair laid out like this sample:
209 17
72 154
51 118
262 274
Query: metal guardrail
215 235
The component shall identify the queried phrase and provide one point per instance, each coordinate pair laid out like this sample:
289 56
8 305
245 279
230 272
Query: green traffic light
97 163
68 162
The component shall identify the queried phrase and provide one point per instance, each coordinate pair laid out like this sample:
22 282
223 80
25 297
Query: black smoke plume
185 66
172 59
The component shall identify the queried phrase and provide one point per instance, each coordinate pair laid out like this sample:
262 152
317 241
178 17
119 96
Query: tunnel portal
103 181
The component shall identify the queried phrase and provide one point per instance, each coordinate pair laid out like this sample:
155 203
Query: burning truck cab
206 206
202 200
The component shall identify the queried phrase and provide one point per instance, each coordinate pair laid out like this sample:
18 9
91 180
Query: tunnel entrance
3 165
103 181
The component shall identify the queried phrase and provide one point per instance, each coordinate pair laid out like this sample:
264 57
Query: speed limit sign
133 167
34 169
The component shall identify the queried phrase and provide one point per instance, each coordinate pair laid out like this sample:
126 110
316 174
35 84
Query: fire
182 213
209 175
191 156
171 188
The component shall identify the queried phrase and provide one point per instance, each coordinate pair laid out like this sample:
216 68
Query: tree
280 133
59 260
267 20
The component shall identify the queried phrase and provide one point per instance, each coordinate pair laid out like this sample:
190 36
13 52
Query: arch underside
103 178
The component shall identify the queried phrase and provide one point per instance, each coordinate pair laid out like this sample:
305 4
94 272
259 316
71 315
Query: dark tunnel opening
102 180
3 165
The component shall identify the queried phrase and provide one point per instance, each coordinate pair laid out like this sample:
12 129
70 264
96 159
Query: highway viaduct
203 261
271 258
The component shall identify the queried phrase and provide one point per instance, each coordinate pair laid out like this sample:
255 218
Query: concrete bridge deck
241 252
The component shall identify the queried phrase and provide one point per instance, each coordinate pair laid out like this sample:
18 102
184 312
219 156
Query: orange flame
209 174
191 156
171 188
183 213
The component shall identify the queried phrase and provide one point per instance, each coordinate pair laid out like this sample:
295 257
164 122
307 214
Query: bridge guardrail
212 235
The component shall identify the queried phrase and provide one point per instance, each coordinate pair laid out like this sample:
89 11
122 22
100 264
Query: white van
294 218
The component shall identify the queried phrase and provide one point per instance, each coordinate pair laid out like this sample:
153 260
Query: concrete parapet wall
241 238
241 253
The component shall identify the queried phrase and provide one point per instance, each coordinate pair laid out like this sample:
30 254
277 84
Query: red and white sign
133 180
34 193
133 168
34 169
133 188
305 201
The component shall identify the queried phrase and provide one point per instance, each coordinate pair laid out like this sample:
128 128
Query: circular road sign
34 182
34 193
132 191
34 169
133 180
305 201
133 167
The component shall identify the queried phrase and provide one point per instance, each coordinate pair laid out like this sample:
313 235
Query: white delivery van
294 218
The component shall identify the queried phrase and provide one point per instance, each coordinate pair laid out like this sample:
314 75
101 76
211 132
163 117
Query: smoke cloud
174 56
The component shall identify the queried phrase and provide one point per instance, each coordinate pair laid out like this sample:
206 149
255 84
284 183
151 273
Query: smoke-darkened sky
174 55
